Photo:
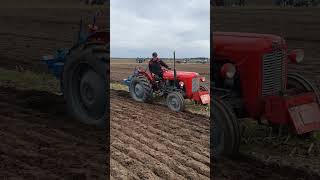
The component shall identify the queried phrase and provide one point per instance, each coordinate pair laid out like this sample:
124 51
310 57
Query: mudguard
55 63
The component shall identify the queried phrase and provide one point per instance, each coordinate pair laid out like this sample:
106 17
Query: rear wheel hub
173 101
90 92
87 92
138 90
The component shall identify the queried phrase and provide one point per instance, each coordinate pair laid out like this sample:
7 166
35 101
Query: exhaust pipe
174 70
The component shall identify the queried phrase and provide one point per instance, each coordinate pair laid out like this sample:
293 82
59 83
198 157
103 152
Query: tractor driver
155 65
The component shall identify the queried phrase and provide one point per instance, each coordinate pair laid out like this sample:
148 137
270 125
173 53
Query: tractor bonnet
180 74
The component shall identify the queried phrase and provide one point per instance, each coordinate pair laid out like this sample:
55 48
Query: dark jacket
155 65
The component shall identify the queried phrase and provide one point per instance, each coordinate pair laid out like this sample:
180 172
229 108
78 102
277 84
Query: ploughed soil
247 167
149 141
266 155
39 141
300 27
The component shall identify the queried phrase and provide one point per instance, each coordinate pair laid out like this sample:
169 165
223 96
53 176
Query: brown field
149 141
300 27
38 139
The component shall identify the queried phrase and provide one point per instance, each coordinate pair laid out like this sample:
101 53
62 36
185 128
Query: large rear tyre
175 101
141 89
84 84
224 131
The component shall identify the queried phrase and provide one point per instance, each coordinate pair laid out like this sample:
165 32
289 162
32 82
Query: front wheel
175 101
225 131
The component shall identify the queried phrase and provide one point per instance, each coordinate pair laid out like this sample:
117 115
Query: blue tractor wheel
84 83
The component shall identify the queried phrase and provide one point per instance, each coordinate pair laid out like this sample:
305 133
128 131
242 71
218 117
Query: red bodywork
245 51
202 97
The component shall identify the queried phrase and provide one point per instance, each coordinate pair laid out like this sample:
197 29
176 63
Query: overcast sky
139 27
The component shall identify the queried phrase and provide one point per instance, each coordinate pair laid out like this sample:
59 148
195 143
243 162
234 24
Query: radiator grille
273 73
195 84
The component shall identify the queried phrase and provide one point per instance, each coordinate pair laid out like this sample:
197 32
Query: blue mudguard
128 81
56 63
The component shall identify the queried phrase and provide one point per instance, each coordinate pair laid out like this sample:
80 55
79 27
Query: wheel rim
138 90
173 103
87 91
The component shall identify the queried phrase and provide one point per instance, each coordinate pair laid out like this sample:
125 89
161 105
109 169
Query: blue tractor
82 72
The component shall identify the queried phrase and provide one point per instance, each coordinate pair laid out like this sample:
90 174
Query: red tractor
251 79
175 86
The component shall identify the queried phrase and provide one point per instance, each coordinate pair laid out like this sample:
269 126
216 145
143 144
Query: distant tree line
294 3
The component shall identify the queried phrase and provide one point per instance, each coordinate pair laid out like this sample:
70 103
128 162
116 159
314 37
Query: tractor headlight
296 56
228 70
181 84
